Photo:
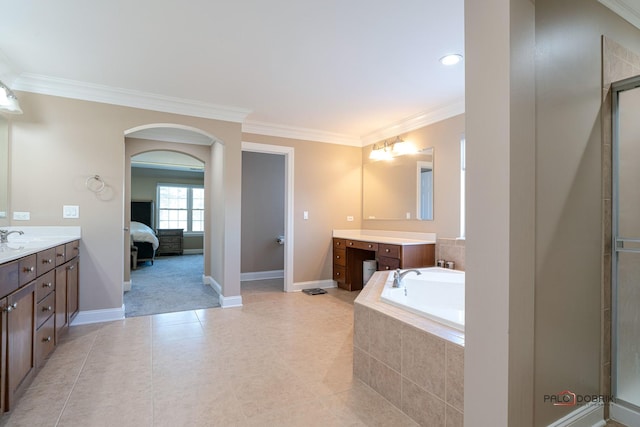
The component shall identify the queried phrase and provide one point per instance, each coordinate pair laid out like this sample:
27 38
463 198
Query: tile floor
284 359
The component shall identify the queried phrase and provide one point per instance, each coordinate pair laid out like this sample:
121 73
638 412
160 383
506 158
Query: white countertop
386 236
35 239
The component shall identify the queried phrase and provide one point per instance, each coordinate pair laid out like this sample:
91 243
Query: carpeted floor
172 283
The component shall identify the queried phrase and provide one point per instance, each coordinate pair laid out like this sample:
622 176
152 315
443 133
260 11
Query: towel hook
96 186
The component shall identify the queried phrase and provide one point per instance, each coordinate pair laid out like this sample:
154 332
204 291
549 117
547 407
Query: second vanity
390 250
39 297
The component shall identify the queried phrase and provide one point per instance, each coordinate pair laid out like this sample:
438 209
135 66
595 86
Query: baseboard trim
324 284
624 415
192 251
126 286
230 302
98 316
225 302
584 416
261 275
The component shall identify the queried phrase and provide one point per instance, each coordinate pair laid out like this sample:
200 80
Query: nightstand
170 241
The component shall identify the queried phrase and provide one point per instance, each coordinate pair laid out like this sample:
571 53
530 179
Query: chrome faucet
4 234
398 276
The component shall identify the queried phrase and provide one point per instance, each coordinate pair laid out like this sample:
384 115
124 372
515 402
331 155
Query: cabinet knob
60 254
337 243
47 308
370 246
11 307
29 269
47 261
386 267
337 274
47 285
387 250
47 339
337 256
71 267
350 243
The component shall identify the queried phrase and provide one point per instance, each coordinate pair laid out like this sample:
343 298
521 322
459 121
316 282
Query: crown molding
414 122
129 98
628 11
282 131
8 73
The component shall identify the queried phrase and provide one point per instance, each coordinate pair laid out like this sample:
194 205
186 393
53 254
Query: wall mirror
400 188
4 167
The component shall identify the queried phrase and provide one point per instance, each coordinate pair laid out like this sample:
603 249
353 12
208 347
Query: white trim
208 280
230 302
624 9
414 122
66 88
584 416
98 316
261 275
283 131
624 415
192 251
126 286
289 167
324 284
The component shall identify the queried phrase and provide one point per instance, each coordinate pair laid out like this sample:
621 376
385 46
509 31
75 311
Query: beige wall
57 143
262 211
327 184
444 137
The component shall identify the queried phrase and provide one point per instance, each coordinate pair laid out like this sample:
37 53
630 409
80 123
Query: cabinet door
61 300
3 354
21 330
73 303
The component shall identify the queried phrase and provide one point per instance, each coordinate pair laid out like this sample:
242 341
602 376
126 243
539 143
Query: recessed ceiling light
452 59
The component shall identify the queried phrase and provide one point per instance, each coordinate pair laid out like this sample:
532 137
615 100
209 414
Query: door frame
288 153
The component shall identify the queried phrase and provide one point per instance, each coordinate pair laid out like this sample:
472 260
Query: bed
145 241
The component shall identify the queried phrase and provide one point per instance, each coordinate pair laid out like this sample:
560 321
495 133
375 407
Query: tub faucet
398 276
4 234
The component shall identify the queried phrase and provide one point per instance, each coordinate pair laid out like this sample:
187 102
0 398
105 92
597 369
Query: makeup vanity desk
390 249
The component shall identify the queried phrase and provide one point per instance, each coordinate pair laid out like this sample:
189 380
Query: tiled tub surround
415 363
451 250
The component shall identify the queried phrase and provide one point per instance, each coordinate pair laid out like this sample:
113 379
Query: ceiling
350 72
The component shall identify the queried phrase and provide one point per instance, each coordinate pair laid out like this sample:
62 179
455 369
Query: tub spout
4 234
399 275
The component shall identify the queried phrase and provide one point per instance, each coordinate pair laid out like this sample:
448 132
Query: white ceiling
628 9
347 70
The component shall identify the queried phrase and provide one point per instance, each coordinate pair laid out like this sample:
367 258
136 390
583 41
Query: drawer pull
338 243
60 254
338 273
71 267
47 285
47 308
337 256
47 339
387 250
29 269
11 307
370 246
47 261
350 243
386 267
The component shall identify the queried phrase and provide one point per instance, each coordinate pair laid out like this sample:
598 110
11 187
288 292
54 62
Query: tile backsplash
451 250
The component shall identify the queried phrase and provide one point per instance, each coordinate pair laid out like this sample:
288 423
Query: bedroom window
181 206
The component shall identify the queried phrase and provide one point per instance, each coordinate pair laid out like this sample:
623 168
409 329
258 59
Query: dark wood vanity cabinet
34 296
349 255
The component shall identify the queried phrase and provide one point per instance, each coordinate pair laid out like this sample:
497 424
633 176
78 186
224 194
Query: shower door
626 242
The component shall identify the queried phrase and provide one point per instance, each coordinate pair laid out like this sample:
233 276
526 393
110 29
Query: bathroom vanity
39 290
390 249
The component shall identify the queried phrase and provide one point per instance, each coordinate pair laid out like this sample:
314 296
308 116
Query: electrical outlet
305 215
70 211
349 218
22 216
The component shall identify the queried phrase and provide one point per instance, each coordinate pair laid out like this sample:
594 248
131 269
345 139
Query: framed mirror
400 188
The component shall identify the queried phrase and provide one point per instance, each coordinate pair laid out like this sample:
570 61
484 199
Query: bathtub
438 294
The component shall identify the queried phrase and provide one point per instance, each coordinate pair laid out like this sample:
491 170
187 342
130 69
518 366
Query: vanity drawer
339 274
45 341
339 257
45 285
385 263
60 259
339 243
71 250
369 246
45 308
27 269
45 261
391 251
9 278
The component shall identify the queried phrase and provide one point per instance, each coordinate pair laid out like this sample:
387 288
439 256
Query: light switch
305 215
349 218
71 211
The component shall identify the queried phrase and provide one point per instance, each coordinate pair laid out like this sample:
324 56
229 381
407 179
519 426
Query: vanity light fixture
8 101
388 150
451 59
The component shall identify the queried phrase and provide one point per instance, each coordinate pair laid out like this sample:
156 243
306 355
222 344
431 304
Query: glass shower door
626 232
